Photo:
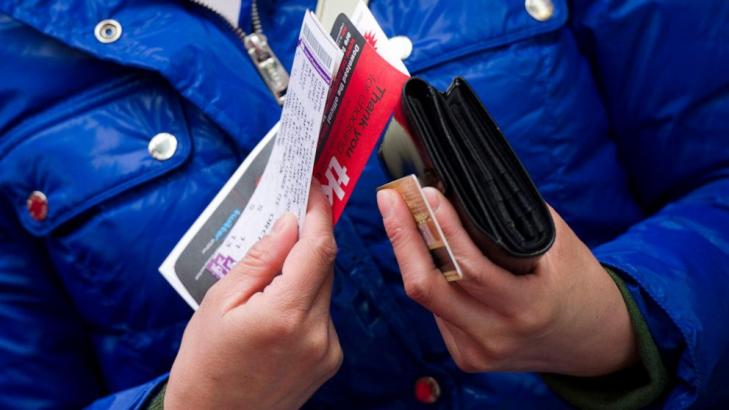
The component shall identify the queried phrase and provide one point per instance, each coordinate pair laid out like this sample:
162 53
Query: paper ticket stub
364 95
409 188
274 179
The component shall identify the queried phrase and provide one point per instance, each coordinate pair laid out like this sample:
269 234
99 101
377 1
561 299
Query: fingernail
280 223
385 202
433 197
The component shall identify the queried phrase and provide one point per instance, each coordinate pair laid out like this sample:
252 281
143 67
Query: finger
309 264
331 362
261 264
449 339
424 283
465 349
450 223
335 356
475 265
321 304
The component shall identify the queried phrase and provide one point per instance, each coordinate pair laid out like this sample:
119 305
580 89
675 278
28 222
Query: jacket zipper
269 67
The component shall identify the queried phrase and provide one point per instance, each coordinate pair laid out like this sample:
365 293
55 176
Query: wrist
603 339
632 388
181 394
613 336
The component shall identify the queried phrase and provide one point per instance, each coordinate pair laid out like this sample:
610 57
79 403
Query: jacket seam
67 108
522 34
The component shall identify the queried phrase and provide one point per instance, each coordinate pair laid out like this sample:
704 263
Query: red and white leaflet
366 23
364 95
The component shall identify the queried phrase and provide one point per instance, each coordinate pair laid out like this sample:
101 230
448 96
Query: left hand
567 316
263 337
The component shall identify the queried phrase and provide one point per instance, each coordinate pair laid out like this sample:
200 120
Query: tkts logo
362 98
336 181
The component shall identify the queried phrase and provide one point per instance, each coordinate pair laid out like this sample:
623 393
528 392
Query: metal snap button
108 31
541 10
162 146
37 205
427 390
402 46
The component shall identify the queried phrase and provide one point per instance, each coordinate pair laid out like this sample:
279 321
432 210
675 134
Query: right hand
259 339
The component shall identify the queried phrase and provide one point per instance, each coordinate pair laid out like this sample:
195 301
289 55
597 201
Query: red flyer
363 97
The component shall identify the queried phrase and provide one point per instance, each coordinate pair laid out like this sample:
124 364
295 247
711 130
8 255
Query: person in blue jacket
618 109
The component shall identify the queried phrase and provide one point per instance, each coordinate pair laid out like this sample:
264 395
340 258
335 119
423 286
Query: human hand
262 340
567 316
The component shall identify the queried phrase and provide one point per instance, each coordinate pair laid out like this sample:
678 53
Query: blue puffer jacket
619 109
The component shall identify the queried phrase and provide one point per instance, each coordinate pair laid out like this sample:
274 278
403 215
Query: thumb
261 264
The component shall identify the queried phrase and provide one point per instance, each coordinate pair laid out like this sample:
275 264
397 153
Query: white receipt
285 181
284 186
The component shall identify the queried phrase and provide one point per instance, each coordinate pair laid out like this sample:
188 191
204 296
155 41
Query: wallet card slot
525 218
456 156
493 199
419 112
524 228
428 116
519 218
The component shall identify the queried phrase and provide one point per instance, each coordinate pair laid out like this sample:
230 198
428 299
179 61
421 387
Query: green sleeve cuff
631 388
158 401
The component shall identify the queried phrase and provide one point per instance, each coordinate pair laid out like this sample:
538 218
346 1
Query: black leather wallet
456 146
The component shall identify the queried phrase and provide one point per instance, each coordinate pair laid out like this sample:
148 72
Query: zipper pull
267 64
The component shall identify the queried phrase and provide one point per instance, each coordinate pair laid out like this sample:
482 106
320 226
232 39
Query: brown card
410 190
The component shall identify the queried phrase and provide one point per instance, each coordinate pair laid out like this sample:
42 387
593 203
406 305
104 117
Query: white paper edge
167 269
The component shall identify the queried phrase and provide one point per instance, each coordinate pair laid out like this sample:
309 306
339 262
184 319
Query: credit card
409 188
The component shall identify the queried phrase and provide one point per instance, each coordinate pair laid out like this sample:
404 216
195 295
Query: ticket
409 188
274 178
341 96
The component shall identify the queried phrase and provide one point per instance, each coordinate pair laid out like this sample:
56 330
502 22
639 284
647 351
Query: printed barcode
317 48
